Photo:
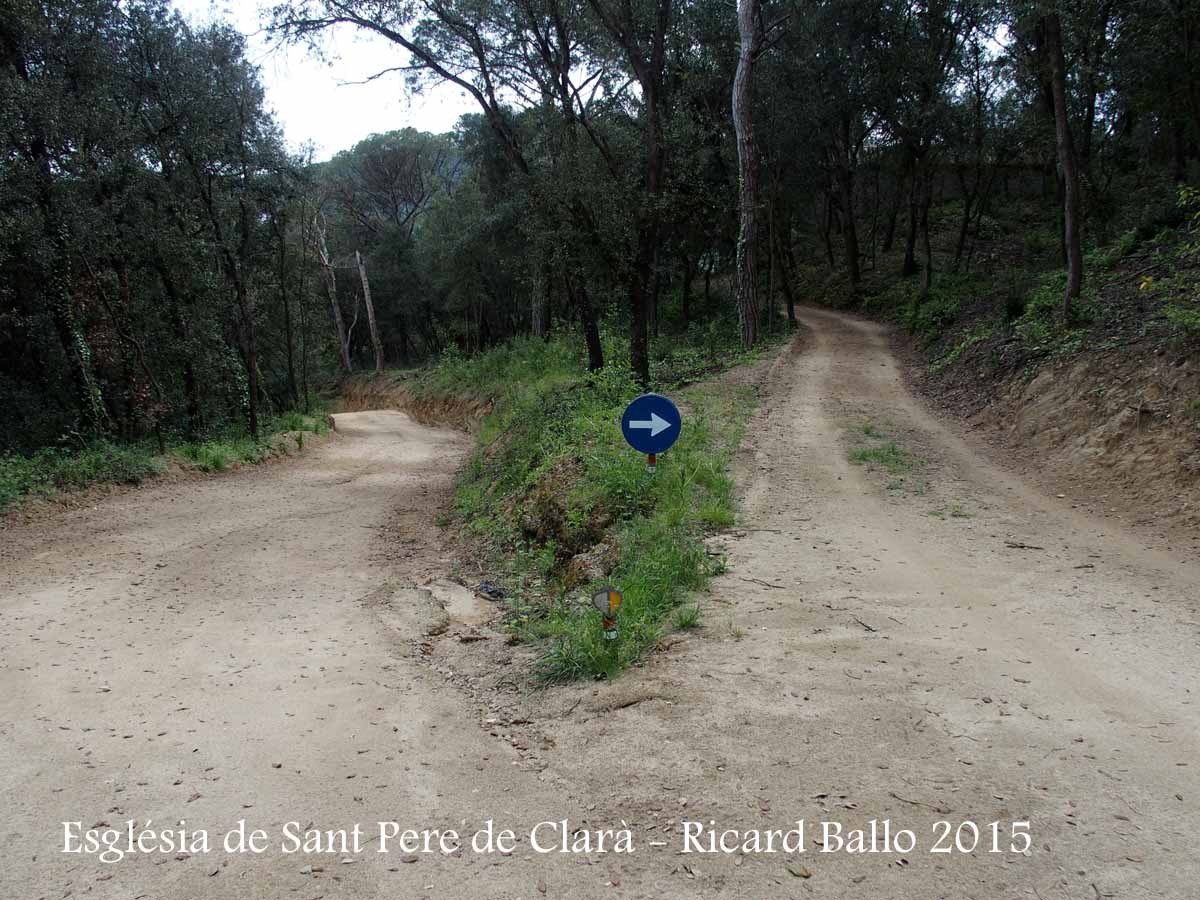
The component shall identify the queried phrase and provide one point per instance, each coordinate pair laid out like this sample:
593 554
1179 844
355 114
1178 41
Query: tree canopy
168 268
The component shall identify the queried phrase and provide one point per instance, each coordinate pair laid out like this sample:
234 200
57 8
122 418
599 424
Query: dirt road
241 648
943 643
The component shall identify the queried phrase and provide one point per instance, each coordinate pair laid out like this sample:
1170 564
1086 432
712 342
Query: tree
743 123
1052 52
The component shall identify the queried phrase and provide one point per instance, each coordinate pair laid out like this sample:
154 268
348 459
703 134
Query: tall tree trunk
56 282
849 229
875 218
686 293
927 273
366 287
743 126
889 233
539 304
845 165
288 335
826 228
249 341
655 296
591 330
902 178
785 272
1066 160
769 306
915 193
639 312
179 327
330 279
963 226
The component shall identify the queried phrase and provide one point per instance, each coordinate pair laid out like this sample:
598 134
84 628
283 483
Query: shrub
1184 319
51 469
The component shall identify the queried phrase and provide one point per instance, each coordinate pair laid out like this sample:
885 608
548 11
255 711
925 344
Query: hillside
1106 405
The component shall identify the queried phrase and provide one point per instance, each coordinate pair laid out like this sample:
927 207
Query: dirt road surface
942 643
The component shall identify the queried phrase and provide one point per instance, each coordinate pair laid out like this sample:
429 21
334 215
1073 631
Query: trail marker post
651 425
608 601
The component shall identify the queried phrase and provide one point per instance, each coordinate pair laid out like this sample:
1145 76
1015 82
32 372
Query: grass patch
565 506
929 318
217 456
688 617
52 470
976 335
890 456
951 511
878 451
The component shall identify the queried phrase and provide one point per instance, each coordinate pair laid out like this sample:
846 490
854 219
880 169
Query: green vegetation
878 450
929 318
889 455
688 617
1107 257
559 499
1184 319
976 335
53 470
217 456
952 511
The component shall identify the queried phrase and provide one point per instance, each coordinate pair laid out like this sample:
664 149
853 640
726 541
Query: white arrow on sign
655 424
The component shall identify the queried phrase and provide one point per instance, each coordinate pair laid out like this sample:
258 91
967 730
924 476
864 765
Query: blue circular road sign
651 423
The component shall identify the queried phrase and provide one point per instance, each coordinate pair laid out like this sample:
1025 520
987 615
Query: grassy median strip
564 506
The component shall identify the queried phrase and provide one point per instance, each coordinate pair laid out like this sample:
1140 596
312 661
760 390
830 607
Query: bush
104 462
1107 257
51 469
1184 319
217 456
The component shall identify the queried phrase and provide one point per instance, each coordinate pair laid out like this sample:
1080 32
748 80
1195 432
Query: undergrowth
559 499
52 469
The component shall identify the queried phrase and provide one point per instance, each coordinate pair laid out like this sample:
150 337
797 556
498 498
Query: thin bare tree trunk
366 286
539 304
331 288
1067 161
743 126
845 182
927 271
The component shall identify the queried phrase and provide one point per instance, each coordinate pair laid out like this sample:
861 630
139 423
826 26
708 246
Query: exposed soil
944 642
1121 428
395 391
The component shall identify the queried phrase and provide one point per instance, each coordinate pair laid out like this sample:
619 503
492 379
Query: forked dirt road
249 647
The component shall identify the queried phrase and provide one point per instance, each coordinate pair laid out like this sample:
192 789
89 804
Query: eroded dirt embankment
395 390
1117 431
